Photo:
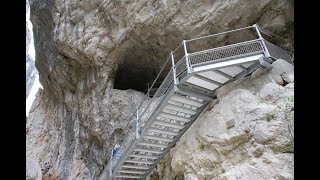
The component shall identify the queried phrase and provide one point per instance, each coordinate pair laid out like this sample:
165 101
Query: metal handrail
220 33
177 47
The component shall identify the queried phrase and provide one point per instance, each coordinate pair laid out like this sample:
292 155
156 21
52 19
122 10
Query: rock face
30 74
89 53
258 146
30 67
76 143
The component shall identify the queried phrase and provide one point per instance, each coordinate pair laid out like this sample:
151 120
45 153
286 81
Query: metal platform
189 86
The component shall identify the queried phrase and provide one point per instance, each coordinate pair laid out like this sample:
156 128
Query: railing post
186 55
257 30
266 52
148 91
173 70
137 126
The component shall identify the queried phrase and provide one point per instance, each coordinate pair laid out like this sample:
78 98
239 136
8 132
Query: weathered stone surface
86 49
30 67
30 74
76 143
28 36
33 170
230 123
260 146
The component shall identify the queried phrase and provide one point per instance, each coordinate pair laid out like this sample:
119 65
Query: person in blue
116 152
115 149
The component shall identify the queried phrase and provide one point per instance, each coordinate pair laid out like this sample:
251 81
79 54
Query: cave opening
137 69
141 57
134 75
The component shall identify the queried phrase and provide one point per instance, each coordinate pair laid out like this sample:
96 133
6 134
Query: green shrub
202 147
269 117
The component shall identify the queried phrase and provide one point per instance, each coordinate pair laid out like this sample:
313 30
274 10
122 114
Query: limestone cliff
30 67
90 53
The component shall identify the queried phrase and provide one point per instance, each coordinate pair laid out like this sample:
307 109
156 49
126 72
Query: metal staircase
187 89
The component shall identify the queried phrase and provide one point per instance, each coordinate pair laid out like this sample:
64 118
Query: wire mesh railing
218 54
277 53
276 39
227 45
181 67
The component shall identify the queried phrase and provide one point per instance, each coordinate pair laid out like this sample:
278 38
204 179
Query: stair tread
157 138
131 172
134 167
143 156
185 100
180 109
128 176
169 124
163 131
152 144
140 162
223 74
208 79
173 116
147 150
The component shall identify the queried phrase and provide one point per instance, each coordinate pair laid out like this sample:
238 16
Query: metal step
131 172
223 74
152 144
198 88
197 82
231 70
157 138
174 117
207 79
143 156
148 150
163 131
214 76
180 109
134 167
167 124
182 89
185 100
241 67
139 162
128 176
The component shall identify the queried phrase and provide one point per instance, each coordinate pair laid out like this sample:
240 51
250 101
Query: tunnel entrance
137 69
137 75
141 57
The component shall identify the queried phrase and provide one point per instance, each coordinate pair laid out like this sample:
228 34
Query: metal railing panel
224 52
180 67
277 53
